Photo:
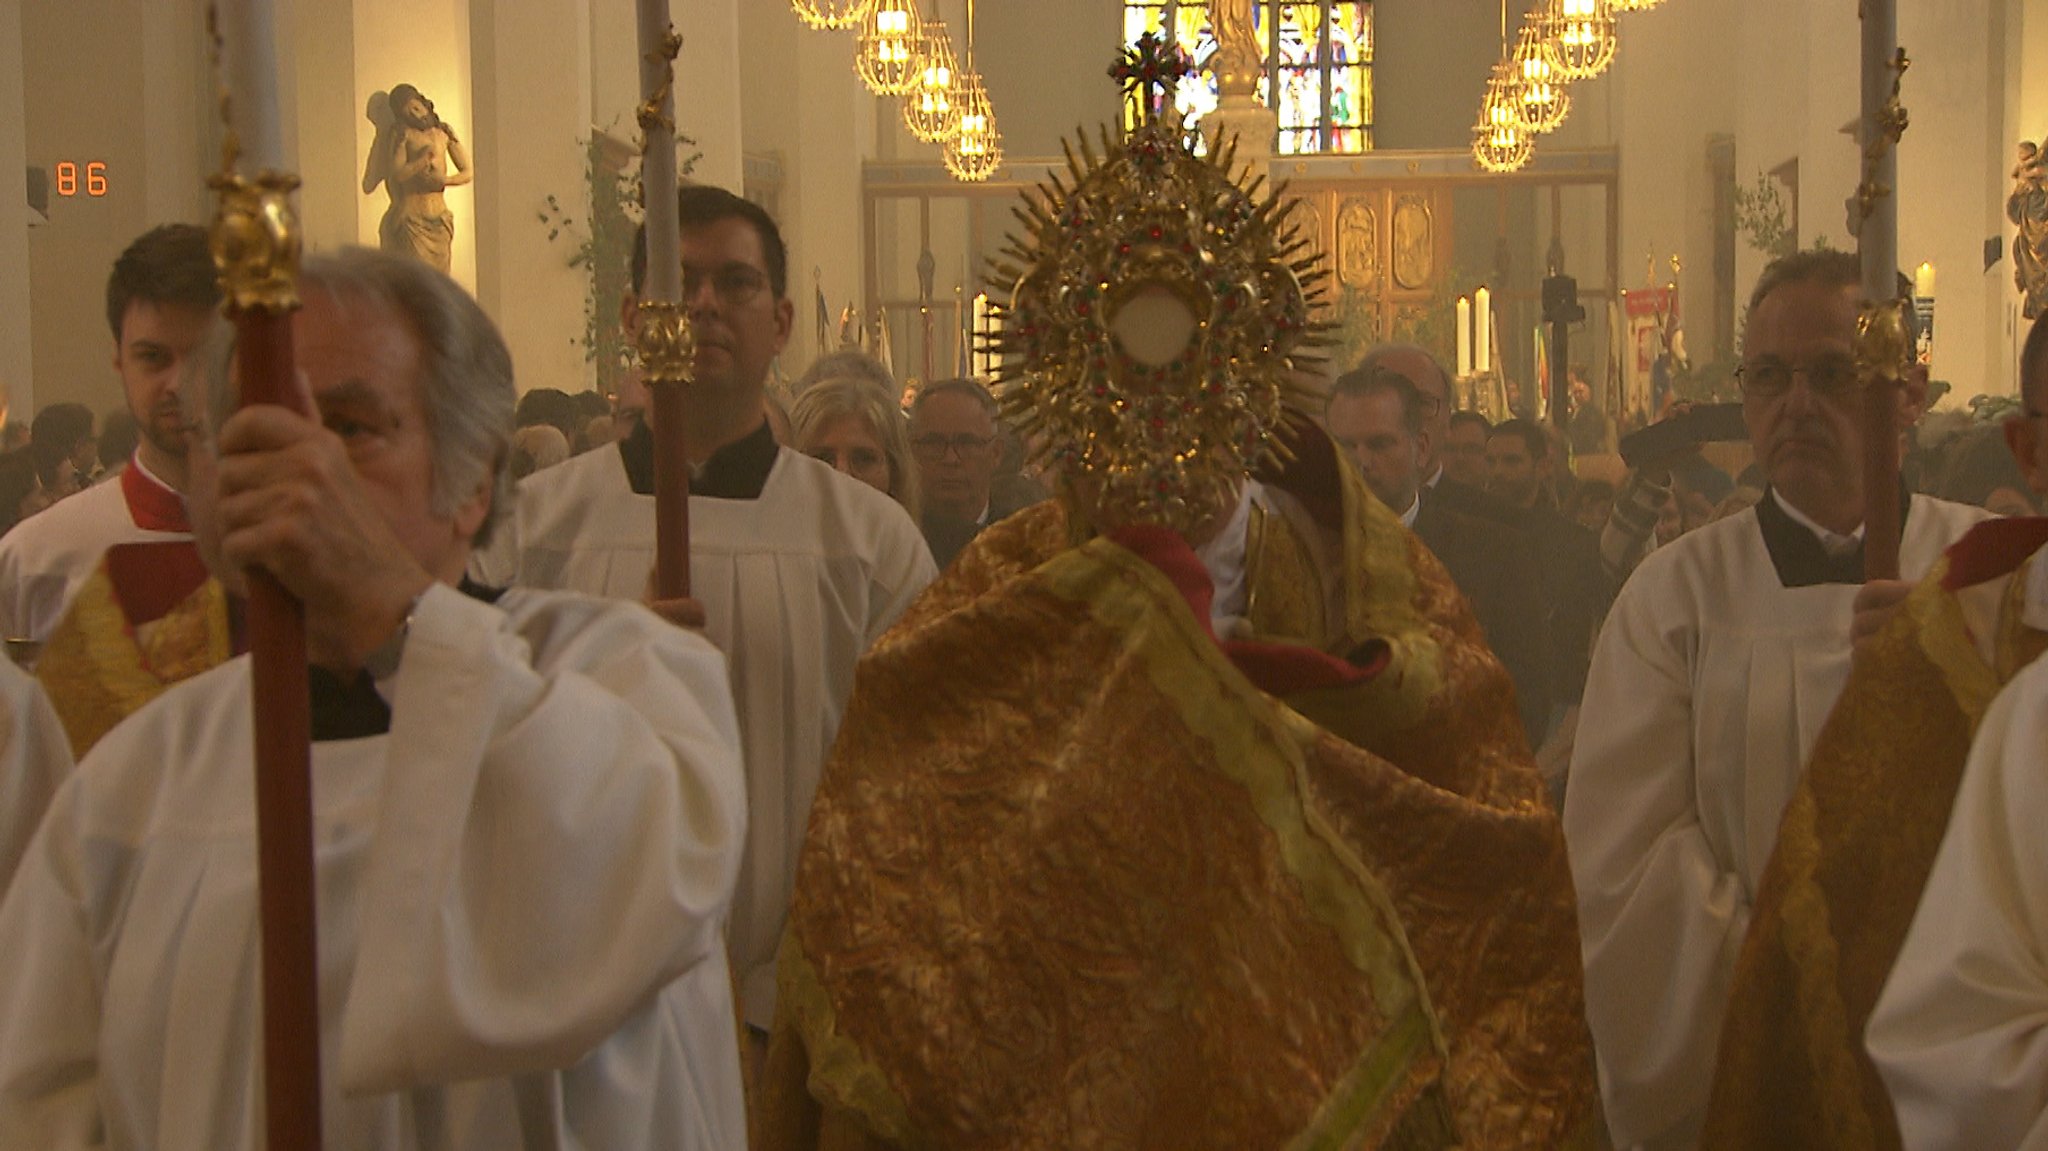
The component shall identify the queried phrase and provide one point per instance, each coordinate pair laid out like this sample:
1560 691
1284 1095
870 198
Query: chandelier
1499 141
928 111
889 54
1578 37
1540 100
975 149
1633 5
838 14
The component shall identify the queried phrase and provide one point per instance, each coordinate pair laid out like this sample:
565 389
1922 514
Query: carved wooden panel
1414 242
1358 244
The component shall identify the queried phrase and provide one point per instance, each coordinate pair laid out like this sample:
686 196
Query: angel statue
411 157
2027 208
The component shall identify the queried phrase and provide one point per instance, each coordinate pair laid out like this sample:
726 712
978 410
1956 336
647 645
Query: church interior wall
17 342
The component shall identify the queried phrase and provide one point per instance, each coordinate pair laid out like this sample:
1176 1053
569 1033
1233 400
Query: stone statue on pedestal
2027 207
411 157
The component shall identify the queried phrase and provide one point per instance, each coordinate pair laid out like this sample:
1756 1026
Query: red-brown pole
665 346
1878 244
256 246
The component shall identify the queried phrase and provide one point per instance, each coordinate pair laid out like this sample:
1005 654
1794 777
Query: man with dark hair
1518 464
1464 448
530 808
160 300
1722 658
64 449
957 443
1433 384
1375 416
798 568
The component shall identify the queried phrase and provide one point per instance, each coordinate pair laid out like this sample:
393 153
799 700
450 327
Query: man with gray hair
1720 661
488 980
957 442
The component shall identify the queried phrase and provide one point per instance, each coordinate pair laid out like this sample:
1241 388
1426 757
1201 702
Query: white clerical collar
1832 542
1224 557
1435 478
1414 508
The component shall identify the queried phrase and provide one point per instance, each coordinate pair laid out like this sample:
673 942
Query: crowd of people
1448 784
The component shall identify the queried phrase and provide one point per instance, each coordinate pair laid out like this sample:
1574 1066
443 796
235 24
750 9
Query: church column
708 92
822 196
176 81
532 114
16 345
1238 112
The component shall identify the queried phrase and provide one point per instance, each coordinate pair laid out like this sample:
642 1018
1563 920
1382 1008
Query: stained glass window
1318 58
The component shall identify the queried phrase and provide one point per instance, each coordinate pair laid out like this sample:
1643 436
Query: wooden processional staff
664 340
1883 349
256 242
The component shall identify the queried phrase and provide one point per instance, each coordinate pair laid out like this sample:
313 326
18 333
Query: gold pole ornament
1160 308
256 239
665 342
1892 121
1884 353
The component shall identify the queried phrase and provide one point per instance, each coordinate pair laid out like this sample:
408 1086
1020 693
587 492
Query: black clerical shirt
737 471
1797 554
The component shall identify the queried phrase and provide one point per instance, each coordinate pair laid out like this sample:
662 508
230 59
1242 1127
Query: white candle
1464 337
979 361
1923 282
249 33
658 163
1482 331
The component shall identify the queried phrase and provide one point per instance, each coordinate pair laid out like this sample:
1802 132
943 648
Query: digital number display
89 179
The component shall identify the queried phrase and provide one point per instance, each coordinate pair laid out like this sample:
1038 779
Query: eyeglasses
935 447
733 284
1828 378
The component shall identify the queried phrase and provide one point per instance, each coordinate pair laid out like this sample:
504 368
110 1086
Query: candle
1482 331
981 333
1923 282
1464 337
658 160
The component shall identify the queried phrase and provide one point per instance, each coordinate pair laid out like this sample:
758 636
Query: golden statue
2027 207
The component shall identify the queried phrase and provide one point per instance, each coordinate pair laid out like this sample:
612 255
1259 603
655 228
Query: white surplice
1960 1033
1709 685
48 556
35 756
795 586
522 888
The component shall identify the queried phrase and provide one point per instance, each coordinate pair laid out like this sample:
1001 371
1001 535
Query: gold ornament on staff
833 15
1578 37
928 111
1159 310
1892 121
889 55
1883 350
256 240
666 343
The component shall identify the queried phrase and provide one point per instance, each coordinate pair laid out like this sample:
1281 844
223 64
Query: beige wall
17 352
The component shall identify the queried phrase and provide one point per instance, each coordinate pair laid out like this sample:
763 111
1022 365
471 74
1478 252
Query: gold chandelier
889 54
1633 5
929 112
834 14
1541 102
1578 37
975 149
1499 141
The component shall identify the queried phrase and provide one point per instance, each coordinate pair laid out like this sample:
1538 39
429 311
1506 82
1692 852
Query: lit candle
1923 282
1482 331
979 360
1464 337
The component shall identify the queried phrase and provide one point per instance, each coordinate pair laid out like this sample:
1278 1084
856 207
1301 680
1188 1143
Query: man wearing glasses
1721 659
797 567
953 436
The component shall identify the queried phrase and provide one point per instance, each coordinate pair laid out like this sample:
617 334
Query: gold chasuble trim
1262 746
839 1072
1380 589
1857 840
97 670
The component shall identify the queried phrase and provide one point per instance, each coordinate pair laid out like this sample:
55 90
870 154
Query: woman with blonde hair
846 415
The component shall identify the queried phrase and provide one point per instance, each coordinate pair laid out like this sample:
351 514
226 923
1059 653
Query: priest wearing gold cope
1238 844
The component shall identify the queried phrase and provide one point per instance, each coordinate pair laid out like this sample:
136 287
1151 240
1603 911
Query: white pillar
16 341
532 115
708 91
176 80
